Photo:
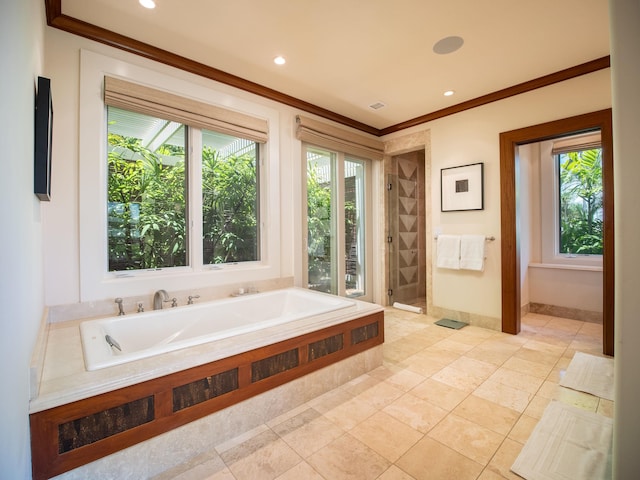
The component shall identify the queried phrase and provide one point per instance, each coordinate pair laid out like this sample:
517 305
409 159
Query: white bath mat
590 374
567 444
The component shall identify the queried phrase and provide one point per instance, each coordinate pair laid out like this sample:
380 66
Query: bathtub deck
65 435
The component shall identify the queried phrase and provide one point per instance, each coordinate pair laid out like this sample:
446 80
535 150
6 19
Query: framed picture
43 134
462 188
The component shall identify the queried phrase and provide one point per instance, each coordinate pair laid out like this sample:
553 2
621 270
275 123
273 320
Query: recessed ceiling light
448 45
147 3
448 93
279 60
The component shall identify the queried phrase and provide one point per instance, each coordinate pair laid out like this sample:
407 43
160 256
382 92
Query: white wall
473 136
625 62
21 277
546 282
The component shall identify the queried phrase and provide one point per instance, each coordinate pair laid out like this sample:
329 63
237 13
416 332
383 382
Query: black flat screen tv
43 135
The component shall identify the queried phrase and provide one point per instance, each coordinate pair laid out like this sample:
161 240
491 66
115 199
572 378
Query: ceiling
345 55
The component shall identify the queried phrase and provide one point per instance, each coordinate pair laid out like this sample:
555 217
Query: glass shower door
403 231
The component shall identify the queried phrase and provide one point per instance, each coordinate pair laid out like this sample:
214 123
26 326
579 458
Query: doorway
510 248
407 259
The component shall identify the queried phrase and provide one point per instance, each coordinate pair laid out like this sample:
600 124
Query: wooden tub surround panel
74 434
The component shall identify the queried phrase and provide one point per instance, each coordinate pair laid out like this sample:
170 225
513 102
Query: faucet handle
191 297
140 307
174 302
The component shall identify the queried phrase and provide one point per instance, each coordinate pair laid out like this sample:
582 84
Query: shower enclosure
406 230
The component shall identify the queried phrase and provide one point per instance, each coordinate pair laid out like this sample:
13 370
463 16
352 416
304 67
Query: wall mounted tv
43 135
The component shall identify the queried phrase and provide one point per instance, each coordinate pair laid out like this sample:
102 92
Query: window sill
585 268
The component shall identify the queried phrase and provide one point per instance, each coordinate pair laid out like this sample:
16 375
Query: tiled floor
446 404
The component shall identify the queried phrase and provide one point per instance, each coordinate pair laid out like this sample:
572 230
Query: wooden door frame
510 248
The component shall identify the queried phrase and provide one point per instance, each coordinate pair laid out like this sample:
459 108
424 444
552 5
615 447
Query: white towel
448 253
472 252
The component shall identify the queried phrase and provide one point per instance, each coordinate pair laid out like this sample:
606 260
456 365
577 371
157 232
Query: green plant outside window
581 207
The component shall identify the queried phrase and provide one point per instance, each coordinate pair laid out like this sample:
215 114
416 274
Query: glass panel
146 192
230 215
320 220
354 228
405 234
581 209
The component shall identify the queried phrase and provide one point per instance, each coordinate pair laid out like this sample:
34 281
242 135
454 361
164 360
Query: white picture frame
462 188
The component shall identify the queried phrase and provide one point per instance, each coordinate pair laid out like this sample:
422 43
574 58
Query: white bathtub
142 335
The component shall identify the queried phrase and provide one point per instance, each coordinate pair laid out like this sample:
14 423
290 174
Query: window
202 143
571 212
580 197
148 191
230 207
339 218
336 223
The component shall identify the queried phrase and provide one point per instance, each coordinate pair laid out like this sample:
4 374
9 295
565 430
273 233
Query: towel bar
488 239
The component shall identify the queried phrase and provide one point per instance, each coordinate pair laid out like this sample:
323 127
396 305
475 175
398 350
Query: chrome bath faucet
159 297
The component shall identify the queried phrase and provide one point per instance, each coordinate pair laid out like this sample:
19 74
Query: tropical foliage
319 228
229 208
147 206
147 210
581 214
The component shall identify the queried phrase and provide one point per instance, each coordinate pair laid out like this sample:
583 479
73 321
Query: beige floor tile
475 366
504 458
288 415
351 413
487 414
548 389
236 447
381 395
537 406
301 471
490 354
395 352
489 475
453 346
221 475
536 320
330 400
592 330
384 434
440 407
360 384
537 356
528 367
424 365
394 473
308 432
347 458
523 428
467 438
566 325
550 349
207 465
385 371
431 460
265 463
405 379
518 380
459 378
439 394
418 413
560 340
504 395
